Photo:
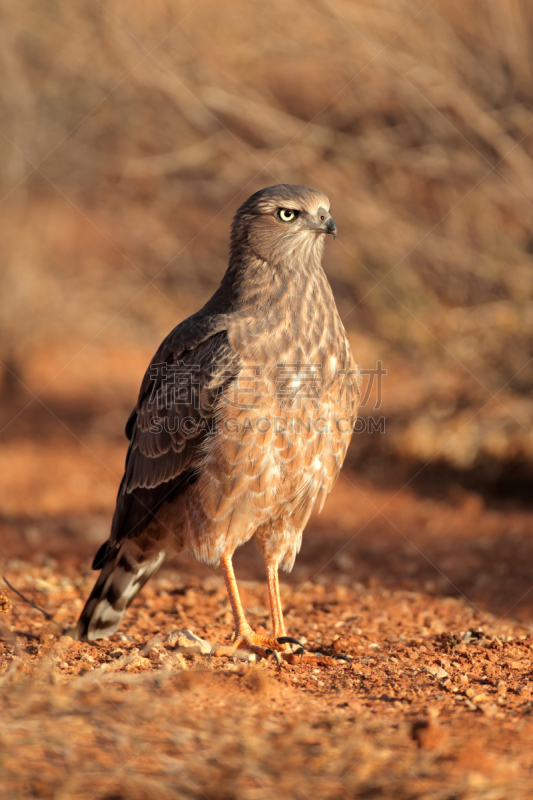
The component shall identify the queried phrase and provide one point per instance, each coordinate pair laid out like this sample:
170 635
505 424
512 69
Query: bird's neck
251 286
289 305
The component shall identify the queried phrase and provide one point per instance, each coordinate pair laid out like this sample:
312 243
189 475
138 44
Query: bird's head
283 222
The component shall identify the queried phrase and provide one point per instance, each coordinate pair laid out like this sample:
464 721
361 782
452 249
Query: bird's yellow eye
287 214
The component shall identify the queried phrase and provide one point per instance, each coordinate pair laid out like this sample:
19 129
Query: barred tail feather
121 578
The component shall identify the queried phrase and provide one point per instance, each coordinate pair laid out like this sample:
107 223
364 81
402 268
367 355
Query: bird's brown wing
175 411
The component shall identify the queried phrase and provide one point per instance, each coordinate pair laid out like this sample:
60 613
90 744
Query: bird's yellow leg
244 635
275 601
280 632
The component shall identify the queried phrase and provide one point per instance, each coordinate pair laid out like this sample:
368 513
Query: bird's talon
343 657
290 640
274 653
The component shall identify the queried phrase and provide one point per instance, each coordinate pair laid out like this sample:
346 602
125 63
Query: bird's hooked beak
330 227
326 225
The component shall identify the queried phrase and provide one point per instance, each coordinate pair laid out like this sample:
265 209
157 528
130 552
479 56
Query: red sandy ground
430 595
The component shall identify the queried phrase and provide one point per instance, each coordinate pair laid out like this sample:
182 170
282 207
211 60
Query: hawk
242 422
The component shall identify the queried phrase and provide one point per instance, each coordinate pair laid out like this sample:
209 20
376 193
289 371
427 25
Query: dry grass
166 737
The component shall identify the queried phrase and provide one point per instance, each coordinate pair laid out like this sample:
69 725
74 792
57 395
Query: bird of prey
242 422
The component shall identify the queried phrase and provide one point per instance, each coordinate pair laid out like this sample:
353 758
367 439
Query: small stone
242 655
116 653
156 654
437 672
187 642
138 662
5 605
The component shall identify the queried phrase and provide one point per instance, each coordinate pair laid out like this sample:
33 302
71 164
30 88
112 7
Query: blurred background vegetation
130 133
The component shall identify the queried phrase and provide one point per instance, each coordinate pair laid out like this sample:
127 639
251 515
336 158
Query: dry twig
26 600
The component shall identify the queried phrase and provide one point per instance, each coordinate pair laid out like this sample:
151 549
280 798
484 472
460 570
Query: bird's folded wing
175 412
